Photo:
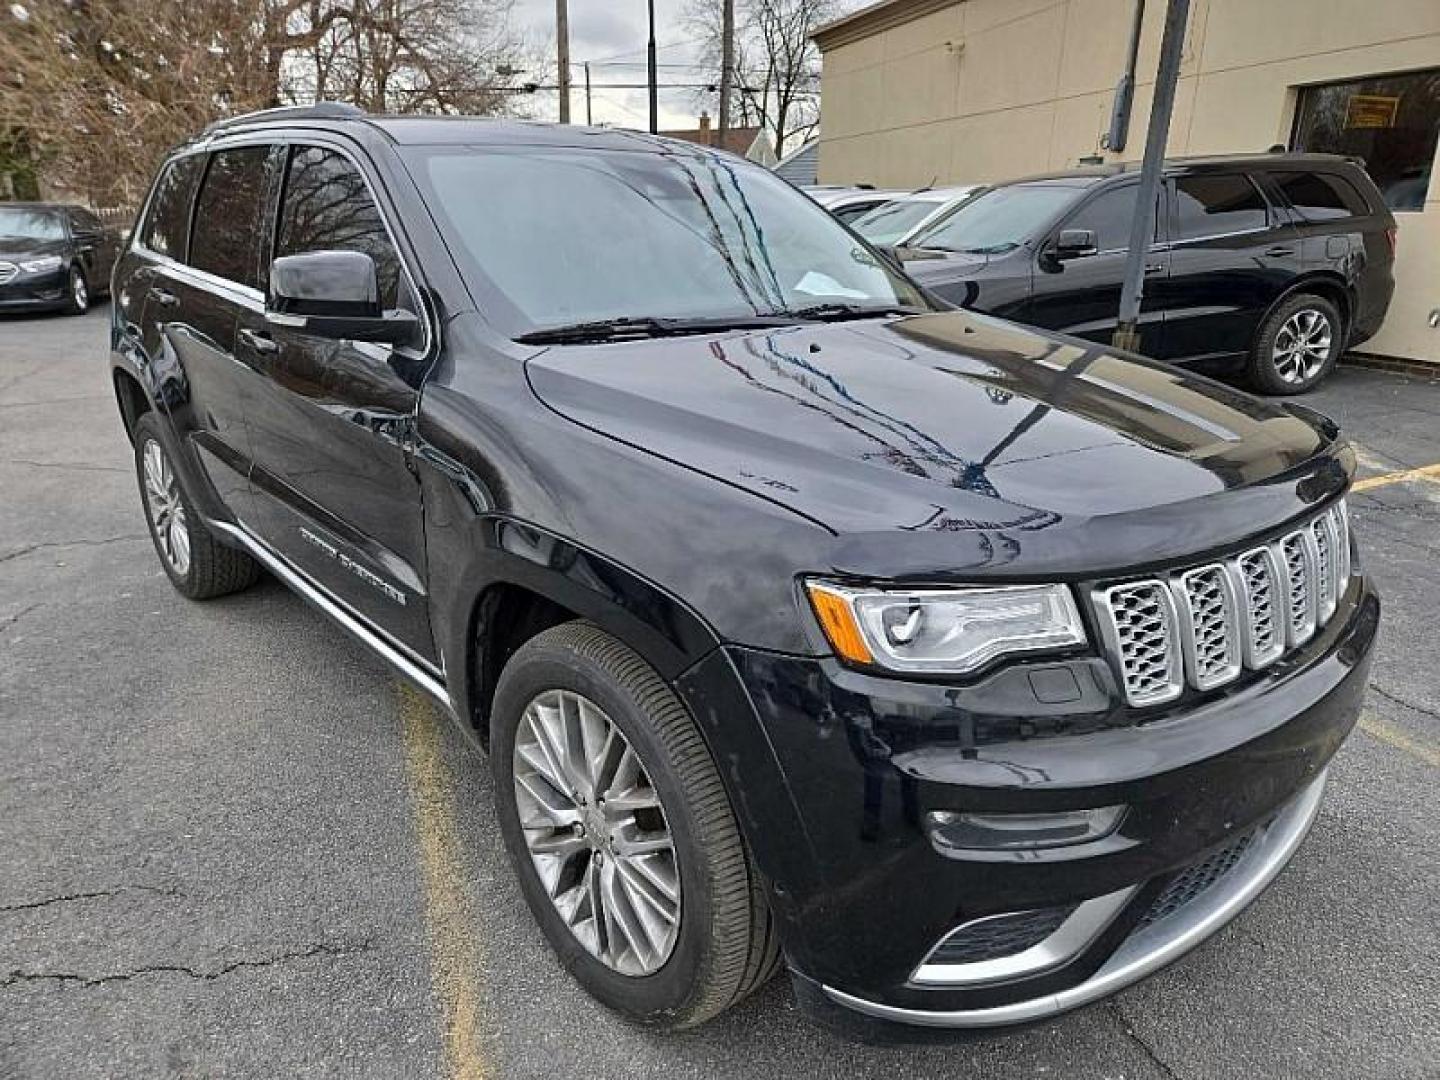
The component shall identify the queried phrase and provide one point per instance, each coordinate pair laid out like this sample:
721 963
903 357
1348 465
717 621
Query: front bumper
35 292
833 773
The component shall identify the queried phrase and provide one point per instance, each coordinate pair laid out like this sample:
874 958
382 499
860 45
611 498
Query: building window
1391 122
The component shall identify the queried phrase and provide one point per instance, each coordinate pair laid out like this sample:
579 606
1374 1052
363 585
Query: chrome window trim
1180 586
287 138
1067 941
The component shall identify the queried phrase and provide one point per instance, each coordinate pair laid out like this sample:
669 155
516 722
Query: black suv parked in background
1273 264
975 672
53 257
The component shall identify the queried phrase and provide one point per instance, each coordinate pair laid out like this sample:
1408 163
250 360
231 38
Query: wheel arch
131 398
531 580
1330 286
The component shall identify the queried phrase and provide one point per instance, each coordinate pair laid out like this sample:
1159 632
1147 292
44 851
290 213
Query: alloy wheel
168 520
79 291
596 832
1302 346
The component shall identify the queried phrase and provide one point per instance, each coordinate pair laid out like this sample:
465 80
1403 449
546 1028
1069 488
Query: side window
226 240
1109 216
327 207
1214 205
168 220
84 220
1321 196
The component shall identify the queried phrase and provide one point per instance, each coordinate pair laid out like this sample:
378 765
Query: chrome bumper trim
1069 940
1149 949
414 669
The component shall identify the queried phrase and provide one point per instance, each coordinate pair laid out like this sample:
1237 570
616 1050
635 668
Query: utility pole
589 117
727 62
650 54
562 42
1142 228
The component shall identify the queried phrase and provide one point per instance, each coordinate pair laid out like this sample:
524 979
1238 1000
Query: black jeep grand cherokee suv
977 672
1269 265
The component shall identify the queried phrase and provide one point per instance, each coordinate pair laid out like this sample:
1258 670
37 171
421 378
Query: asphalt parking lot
233 844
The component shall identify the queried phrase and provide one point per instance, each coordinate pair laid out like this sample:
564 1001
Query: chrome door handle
163 297
1154 268
260 342
1279 252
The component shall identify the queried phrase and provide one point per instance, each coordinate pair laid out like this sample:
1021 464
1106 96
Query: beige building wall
986 90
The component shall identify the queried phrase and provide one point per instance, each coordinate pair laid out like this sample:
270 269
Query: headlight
944 631
40 265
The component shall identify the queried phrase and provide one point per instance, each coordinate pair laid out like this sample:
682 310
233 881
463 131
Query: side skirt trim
418 671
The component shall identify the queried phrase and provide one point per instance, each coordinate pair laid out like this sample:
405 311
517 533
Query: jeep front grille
1202 625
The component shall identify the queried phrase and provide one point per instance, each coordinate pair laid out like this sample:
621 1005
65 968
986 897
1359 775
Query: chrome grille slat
1203 625
8 272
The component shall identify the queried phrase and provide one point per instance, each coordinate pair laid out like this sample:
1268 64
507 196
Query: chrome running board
422 674
1150 948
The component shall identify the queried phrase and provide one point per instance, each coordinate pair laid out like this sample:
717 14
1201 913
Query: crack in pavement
17 977
65 465
31 905
1149 1051
1388 696
97 542
11 620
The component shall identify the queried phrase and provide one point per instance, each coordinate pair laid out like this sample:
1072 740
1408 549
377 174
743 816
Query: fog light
964 831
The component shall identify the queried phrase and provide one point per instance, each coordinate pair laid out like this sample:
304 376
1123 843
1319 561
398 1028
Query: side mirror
334 294
1074 243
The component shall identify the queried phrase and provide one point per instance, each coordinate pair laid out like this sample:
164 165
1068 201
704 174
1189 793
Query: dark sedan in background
53 257
1272 265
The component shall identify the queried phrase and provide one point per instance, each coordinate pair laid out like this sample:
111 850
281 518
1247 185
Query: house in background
748 142
801 167
920 92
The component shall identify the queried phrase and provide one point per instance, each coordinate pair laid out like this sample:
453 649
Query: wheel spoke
608 863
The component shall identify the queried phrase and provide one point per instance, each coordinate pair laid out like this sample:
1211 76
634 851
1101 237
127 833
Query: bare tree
97 90
776 72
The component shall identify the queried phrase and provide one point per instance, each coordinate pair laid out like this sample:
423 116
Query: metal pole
589 117
562 41
727 62
1127 328
650 52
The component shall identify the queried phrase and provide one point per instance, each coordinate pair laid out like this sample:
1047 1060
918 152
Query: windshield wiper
647 326
836 312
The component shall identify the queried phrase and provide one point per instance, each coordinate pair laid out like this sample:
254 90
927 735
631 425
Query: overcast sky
612 35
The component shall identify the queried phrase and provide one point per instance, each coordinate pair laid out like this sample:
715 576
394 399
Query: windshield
567 236
997 221
887 224
30 224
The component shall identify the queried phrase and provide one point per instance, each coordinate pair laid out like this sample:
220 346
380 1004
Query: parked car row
1268 266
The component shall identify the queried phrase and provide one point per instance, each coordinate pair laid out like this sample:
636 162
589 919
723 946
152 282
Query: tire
724 944
1297 345
77 300
198 565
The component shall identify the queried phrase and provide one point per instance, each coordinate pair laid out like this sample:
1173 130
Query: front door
1081 295
332 422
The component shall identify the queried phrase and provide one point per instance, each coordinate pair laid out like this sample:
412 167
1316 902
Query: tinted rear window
227 216
168 219
1215 205
1321 196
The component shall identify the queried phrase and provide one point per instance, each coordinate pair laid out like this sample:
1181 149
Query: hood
952 442
14 248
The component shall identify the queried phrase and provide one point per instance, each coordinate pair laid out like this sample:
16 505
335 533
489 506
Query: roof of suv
1092 173
447 130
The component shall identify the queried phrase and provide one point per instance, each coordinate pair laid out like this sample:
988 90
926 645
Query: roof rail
321 110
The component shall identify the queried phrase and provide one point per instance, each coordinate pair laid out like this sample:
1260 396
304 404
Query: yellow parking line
1400 739
448 918
1425 472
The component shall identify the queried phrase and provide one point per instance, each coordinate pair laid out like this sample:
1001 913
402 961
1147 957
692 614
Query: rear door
1231 255
332 422
95 245
1081 296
